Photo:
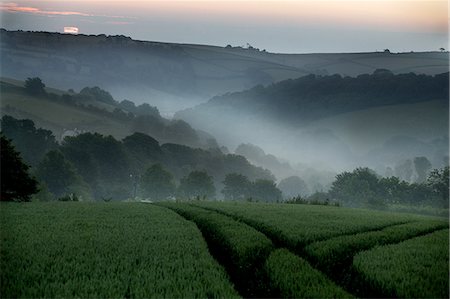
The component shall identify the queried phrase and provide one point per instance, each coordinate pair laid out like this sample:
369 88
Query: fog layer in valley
327 137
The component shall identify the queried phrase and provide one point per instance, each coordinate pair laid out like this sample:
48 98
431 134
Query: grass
293 277
241 248
416 268
333 254
296 226
57 115
81 249
104 250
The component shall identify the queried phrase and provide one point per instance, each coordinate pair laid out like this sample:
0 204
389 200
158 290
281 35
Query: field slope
106 251
212 249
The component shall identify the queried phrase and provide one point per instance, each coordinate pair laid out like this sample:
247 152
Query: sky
277 26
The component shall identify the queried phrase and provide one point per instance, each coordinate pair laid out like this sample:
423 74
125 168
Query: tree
197 184
34 86
157 183
16 182
97 94
293 186
33 143
438 181
422 166
266 190
58 174
404 170
237 186
357 188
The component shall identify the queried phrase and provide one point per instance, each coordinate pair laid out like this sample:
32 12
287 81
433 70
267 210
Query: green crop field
93 250
416 268
219 249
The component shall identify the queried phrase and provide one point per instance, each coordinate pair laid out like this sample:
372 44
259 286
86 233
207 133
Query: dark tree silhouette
438 181
57 173
266 190
157 183
35 86
16 183
236 186
197 184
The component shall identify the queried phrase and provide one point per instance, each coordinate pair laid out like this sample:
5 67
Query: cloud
16 8
118 22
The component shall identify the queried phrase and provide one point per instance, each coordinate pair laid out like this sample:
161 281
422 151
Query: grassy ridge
416 268
293 277
241 248
333 254
296 226
105 251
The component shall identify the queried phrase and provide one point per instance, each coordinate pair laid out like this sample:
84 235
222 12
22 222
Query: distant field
276 250
57 116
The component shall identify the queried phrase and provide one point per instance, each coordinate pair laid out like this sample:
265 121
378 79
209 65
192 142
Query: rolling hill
177 76
341 122
69 113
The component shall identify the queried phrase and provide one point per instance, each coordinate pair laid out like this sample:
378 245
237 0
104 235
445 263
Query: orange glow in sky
400 23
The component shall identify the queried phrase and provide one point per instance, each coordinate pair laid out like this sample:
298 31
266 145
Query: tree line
94 166
311 97
91 166
142 118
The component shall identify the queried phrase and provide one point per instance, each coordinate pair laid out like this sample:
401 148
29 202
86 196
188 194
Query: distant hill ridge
299 101
176 76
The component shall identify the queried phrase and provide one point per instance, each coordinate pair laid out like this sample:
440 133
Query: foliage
98 250
438 181
266 190
157 183
102 161
60 176
236 186
16 182
97 94
315 199
197 184
358 188
404 170
35 86
33 143
314 96
363 188
295 278
239 187
293 186
422 166
416 268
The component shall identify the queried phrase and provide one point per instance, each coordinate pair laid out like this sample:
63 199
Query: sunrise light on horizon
282 26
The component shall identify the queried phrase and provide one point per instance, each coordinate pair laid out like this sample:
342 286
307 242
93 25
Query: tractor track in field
258 281
346 276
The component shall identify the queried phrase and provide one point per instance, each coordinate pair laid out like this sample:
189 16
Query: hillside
94 110
333 121
177 76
